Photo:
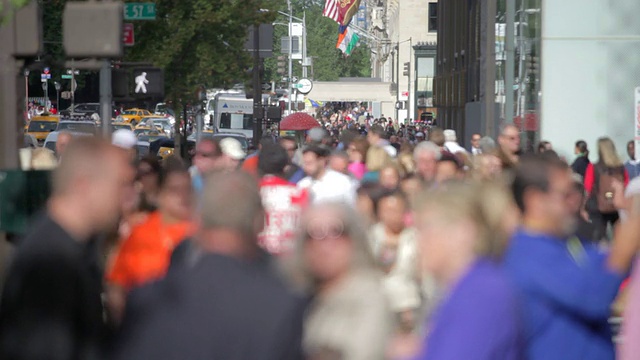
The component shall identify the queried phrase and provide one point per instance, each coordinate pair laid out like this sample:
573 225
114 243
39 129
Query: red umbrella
298 121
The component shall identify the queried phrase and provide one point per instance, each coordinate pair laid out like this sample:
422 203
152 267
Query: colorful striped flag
347 41
331 10
348 8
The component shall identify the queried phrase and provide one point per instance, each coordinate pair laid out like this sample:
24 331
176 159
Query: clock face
305 86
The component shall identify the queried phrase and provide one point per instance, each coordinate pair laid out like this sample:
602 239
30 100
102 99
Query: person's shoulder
305 182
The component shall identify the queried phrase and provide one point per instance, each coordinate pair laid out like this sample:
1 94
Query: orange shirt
146 253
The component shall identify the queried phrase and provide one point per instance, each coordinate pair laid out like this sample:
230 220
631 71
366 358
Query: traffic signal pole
257 87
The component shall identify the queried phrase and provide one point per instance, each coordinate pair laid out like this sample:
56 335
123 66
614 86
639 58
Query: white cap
232 148
419 134
450 135
124 138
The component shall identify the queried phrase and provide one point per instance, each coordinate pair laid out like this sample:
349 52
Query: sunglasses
325 230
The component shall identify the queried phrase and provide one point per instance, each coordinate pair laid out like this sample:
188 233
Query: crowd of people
367 241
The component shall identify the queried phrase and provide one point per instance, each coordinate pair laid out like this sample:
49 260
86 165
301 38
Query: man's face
312 164
205 159
373 139
291 148
556 205
631 150
339 164
510 139
393 139
109 189
475 141
426 165
175 198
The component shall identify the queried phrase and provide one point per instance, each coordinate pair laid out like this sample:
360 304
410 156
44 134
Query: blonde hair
607 153
377 158
486 204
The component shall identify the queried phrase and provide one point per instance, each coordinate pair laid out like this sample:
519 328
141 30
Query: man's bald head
93 177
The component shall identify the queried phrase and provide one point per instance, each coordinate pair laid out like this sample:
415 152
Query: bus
234 113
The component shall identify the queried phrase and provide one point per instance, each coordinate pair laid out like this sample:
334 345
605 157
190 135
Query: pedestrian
462 234
632 165
544 146
584 228
64 137
436 136
226 301
322 183
509 141
448 168
51 302
148 180
599 183
205 161
426 156
250 164
145 254
348 317
475 144
377 137
581 162
357 151
283 202
451 142
377 159
395 250
390 176
232 154
293 172
567 286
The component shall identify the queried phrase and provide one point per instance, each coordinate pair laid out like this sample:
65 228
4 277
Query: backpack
604 191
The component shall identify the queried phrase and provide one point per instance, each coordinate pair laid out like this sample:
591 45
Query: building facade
406 35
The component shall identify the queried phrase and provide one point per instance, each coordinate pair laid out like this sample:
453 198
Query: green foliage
198 42
329 64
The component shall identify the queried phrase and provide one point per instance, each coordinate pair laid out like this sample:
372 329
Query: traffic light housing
282 65
406 69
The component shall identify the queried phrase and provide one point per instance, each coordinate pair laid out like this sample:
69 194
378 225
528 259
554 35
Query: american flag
331 10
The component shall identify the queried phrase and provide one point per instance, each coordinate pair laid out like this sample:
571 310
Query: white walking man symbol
141 80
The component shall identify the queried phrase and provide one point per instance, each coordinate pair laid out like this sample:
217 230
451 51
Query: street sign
129 38
67 77
75 72
45 77
266 86
140 11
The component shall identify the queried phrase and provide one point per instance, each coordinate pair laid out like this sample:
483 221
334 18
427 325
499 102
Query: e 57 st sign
139 11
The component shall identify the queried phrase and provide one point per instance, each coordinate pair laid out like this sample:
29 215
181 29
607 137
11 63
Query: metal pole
521 64
510 63
304 45
490 68
409 105
11 134
398 80
257 87
73 90
26 92
290 53
105 98
46 96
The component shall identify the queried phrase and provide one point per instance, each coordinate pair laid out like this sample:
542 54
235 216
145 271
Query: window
433 17
236 121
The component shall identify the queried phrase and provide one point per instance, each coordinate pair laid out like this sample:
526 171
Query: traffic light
281 65
534 65
406 69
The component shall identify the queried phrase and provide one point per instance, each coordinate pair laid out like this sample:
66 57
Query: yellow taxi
165 152
133 116
141 129
41 126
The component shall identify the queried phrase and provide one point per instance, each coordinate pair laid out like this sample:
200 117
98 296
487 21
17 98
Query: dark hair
320 151
172 165
377 130
153 163
266 140
447 156
542 146
272 159
389 194
436 136
582 146
534 171
286 138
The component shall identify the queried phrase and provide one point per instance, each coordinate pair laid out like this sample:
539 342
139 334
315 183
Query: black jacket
580 165
219 308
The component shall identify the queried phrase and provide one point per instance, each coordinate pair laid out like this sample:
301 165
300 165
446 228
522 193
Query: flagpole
290 53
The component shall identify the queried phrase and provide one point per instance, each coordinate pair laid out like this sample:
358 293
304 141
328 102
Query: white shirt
475 151
331 187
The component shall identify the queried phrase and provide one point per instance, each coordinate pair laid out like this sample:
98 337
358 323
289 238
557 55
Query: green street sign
68 77
139 11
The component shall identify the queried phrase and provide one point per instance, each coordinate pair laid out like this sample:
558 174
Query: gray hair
427 146
354 229
487 144
232 200
450 135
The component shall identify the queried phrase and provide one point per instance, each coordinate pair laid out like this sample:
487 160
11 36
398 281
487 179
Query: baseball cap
232 148
124 138
419 134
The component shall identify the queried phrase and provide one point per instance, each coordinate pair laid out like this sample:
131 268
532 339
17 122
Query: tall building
404 52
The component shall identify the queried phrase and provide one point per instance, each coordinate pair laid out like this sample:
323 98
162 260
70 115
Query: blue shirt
478 320
565 296
633 169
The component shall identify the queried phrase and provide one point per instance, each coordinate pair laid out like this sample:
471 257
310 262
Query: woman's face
354 154
389 178
328 250
175 198
148 178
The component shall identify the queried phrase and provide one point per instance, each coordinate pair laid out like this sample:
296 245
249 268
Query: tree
329 64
